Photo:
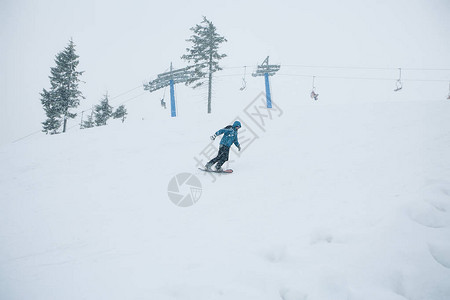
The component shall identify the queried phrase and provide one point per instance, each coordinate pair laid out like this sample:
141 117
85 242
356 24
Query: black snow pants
222 157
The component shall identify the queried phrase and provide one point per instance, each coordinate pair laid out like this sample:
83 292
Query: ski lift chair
314 95
398 86
244 82
448 97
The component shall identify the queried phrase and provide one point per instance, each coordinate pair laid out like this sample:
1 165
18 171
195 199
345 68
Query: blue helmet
236 124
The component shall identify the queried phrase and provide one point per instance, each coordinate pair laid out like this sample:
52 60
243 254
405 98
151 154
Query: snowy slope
344 201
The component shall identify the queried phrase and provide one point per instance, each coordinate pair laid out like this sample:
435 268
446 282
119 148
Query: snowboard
227 171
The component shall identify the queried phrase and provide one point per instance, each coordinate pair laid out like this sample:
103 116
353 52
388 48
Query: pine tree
204 55
53 122
89 122
120 112
103 111
64 93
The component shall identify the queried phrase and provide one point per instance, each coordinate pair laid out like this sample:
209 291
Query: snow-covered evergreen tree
64 93
120 112
53 122
89 122
204 57
103 111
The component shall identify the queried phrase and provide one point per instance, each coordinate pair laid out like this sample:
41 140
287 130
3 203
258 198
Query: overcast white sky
124 43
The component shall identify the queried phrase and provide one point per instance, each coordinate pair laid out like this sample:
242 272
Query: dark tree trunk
65 123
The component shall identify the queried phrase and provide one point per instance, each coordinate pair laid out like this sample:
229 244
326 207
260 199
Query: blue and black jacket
230 134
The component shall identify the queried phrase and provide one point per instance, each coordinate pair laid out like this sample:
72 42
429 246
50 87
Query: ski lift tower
267 70
169 79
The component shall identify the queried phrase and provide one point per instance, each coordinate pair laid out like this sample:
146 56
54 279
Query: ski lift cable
347 77
350 68
361 78
366 68
132 98
24 137
124 93
118 96
227 75
336 67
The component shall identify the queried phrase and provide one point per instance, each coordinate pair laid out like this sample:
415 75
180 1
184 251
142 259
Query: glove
239 147
213 137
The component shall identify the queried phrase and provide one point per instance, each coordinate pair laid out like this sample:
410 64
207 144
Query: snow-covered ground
327 201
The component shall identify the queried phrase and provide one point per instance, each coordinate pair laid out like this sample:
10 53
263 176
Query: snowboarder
230 136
